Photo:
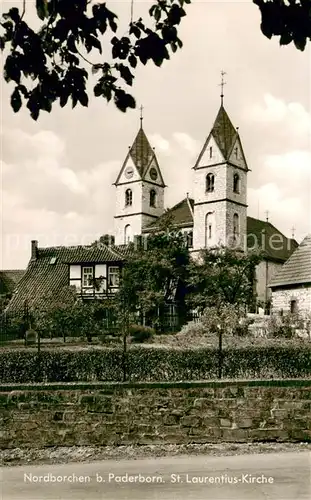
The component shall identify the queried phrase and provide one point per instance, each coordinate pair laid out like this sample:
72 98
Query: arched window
236 183
153 198
127 234
128 197
208 229
236 227
210 179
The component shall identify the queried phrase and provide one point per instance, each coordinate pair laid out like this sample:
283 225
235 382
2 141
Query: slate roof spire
224 132
141 152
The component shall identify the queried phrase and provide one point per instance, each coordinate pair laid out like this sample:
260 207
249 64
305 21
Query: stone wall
151 413
281 299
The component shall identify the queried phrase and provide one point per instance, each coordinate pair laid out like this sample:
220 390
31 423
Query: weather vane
141 115
223 73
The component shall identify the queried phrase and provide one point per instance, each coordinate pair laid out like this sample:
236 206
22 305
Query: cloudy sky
57 173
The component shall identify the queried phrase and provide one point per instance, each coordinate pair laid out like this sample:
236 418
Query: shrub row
153 364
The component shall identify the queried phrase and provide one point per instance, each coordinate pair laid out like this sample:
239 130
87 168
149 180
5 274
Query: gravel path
59 455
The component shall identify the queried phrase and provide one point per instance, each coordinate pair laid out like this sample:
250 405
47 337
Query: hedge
153 364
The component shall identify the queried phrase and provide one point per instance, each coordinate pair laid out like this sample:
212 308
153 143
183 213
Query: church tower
139 190
220 188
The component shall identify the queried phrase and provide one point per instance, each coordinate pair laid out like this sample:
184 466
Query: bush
154 364
281 326
193 329
141 333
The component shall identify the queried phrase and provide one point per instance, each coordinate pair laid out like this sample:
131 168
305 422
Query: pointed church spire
224 132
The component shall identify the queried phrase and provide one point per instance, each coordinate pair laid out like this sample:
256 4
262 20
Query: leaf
16 101
300 43
83 98
132 60
42 9
285 39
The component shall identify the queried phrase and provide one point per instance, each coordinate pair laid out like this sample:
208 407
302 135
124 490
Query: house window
87 277
210 152
153 197
127 234
128 197
293 306
208 229
236 183
113 276
236 228
210 183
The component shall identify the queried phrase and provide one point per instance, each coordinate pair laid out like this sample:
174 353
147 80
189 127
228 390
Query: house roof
297 269
180 215
49 272
265 236
260 234
9 279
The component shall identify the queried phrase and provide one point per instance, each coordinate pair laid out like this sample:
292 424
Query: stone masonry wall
119 414
281 299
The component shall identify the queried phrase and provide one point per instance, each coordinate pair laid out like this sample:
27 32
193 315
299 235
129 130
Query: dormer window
210 179
236 183
128 197
153 198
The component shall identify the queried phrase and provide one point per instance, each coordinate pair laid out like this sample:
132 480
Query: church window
127 234
210 152
189 239
236 183
153 198
128 197
236 152
210 180
208 229
236 229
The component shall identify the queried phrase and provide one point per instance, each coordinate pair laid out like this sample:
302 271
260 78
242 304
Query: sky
57 173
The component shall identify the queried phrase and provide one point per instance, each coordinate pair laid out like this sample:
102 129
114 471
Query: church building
217 213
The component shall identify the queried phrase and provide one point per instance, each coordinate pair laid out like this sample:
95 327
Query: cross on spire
223 73
293 232
267 215
141 116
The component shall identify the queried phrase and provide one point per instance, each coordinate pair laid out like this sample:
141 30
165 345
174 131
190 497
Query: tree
56 56
52 56
154 274
222 276
288 19
105 239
